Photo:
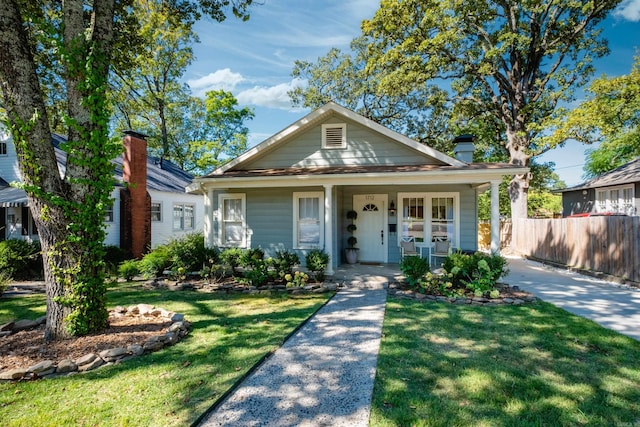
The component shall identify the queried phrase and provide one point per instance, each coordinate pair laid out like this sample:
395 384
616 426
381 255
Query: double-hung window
232 220
156 211
616 200
183 217
308 218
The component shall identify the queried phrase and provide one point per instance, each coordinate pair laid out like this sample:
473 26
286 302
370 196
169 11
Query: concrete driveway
613 306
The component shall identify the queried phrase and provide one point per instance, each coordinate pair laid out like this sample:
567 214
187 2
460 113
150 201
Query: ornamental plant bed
507 295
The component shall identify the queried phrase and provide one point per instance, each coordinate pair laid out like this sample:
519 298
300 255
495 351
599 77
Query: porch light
392 209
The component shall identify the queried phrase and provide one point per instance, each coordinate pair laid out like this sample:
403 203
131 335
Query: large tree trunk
69 238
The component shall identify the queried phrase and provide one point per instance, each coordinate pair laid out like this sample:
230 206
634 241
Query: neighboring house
169 212
293 191
616 192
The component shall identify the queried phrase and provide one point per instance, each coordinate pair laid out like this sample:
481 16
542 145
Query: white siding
9 170
162 231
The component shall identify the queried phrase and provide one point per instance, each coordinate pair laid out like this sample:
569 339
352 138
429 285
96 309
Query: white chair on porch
441 249
408 247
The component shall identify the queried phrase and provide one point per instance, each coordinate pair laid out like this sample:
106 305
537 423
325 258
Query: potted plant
351 252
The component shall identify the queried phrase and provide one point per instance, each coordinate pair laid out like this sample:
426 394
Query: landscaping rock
40 367
135 349
86 359
7 327
5 334
145 309
97 362
65 366
41 320
23 325
113 354
177 317
13 374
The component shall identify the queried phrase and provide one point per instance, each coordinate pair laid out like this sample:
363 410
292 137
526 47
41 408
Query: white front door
372 226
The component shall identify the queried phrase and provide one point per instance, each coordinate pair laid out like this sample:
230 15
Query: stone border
238 288
49 369
395 290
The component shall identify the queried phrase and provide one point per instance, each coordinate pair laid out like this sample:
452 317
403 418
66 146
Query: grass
534 365
174 386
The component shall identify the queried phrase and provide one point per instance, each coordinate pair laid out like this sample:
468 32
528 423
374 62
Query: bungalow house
615 192
296 189
147 214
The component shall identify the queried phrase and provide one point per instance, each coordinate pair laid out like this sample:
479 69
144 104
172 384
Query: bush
4 281
187 253
478 272
21 259
414 269
155 262
129 269
259 272
284 262
252 257
297 279
113 257
232 257
317 261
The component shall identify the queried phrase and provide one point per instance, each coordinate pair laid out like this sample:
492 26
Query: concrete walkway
613 306
323 375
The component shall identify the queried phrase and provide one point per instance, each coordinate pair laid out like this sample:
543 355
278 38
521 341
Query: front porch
367 275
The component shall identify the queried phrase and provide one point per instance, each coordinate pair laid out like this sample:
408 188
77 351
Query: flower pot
351 254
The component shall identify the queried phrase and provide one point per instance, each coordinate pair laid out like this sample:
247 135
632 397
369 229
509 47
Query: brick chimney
135 201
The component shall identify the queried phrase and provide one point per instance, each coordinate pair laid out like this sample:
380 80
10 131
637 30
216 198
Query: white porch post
208 218
328 225
495 218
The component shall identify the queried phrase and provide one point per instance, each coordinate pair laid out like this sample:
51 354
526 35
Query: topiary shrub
21 259
317 261
414 269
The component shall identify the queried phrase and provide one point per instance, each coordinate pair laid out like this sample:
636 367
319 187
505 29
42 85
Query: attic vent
334 136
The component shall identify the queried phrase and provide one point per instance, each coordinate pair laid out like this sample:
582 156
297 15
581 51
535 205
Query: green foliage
251 257
129 269
477 272
543 204
232 257
113 257
317 261
258 271
298 279
611 115
414 269
352 241
21 259
4 281
188 252
284 262
155 262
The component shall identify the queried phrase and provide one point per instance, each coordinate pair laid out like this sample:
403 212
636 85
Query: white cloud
221 79
272 96
629 10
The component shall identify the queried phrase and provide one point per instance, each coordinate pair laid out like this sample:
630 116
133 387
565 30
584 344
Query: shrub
297 279
155 262
21 259
251 257
284 262
317 261
129 269
231 257
187 253
4 281
414 269
478 272
259 272
113 257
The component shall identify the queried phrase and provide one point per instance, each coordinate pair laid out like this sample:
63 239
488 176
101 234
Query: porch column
328 226
208 218
495 218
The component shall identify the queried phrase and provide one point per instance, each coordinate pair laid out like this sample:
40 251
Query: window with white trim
619 200
108 215
156 211
3 148
232 220
334 136
183 217
430 217
308 220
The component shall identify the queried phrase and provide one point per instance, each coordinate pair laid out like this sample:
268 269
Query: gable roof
625 174
314 118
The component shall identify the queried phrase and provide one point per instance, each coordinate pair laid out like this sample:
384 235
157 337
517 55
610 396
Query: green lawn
173 386
535 365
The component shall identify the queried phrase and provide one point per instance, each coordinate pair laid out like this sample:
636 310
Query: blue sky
254 59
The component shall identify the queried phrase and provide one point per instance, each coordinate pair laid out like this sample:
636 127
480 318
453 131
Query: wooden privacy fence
608 244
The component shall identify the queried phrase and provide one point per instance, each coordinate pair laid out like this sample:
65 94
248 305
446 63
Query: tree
148 91
69 210
512 60
611 115
222 133
345 79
